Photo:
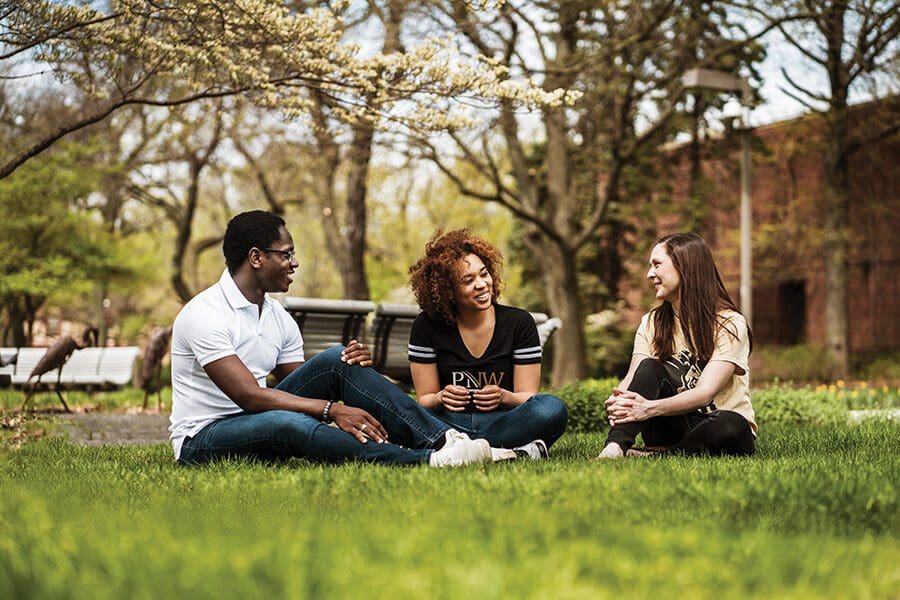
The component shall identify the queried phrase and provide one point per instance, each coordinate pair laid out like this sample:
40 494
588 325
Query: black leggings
717 432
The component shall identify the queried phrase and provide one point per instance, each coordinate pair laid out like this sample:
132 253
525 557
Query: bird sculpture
55 357
151 367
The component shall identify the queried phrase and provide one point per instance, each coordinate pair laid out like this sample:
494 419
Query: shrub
584 399
783 405
825 404
881 366
792 363
774 404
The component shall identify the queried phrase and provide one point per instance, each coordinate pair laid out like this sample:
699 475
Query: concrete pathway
95 429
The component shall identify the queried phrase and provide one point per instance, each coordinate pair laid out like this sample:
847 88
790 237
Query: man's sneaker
460 453
502 454
536 450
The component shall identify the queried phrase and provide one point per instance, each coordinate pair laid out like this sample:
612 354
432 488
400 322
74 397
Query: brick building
787 190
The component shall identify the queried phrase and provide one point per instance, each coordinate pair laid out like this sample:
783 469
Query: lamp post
726 82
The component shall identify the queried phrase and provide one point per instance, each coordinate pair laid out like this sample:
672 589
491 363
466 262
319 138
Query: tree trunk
837 245
353 269
837 212
185 226
560 275
17 328
21 310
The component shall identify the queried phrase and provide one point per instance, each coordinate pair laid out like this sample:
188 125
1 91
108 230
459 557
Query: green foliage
47 245
783 405
810 363
813 515
584 400
610 342
882 366
44 243
775 404
792 363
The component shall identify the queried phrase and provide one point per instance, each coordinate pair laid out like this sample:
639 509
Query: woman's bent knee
552 410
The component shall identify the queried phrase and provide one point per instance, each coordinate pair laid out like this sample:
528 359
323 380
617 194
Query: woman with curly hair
476 364
687 389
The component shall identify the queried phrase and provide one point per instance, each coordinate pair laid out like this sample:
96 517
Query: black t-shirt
515 342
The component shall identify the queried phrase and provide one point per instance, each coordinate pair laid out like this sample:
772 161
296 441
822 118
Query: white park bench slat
26 361
82 367
116 365
6 355
86 368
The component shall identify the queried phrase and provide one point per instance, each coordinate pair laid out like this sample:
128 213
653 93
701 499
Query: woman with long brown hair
476 363
687 388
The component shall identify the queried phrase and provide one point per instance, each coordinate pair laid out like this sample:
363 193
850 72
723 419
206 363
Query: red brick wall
787 191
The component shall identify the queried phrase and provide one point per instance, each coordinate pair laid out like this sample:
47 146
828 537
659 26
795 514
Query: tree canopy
48 245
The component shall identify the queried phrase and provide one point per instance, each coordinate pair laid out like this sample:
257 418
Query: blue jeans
281 434
541 417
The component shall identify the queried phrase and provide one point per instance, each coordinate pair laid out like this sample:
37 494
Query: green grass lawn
813 515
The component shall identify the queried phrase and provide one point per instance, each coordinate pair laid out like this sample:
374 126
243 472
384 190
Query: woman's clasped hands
624 406
456 398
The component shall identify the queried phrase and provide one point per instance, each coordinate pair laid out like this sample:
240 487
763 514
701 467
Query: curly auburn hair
435 277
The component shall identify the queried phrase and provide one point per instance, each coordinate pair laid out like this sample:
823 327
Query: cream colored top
735 396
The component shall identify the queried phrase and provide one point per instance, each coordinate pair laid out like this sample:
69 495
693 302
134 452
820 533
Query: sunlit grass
814 514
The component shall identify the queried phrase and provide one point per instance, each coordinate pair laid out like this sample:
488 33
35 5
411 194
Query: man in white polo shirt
228 339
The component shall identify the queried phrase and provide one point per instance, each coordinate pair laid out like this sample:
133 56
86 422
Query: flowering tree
262 49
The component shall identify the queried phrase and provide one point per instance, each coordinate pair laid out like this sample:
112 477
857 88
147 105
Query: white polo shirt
216 323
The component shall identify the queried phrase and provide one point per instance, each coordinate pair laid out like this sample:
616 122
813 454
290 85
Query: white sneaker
461 453
611 451
501 454
453 437
536 450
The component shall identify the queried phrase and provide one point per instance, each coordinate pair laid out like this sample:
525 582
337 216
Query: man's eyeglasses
288 254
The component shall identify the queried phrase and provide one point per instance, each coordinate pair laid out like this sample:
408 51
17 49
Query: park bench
389 336
90 368
7 365
328 323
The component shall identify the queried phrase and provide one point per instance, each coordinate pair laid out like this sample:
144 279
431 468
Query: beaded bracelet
326 418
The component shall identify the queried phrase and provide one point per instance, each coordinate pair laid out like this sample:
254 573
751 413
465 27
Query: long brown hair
701 297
